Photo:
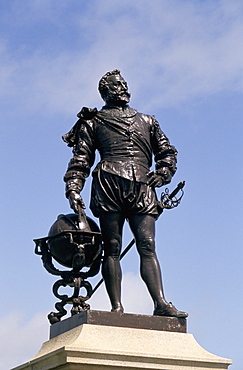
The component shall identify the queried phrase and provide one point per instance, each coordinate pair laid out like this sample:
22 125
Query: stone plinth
104 347
125 320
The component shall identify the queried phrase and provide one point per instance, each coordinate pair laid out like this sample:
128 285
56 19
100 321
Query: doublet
126 141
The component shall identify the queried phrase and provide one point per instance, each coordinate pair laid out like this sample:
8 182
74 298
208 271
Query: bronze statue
123 186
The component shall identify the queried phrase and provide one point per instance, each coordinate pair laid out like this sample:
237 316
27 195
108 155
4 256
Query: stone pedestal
90 346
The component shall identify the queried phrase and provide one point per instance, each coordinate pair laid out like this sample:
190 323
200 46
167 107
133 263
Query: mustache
117 94
123 92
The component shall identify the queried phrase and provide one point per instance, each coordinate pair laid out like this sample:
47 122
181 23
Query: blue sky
183 61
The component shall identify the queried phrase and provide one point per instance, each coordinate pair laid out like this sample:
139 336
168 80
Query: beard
120 98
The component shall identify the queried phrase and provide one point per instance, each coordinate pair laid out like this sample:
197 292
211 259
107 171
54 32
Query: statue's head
113 88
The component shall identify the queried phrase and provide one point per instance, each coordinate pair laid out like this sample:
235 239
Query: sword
168 201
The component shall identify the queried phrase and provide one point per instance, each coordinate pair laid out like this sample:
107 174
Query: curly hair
103 83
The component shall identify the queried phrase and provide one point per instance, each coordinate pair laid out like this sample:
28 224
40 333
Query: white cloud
175 51
20 338
135 297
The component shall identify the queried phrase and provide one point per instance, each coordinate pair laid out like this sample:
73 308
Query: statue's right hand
75 201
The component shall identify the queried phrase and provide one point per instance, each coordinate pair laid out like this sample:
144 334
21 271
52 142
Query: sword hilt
170 201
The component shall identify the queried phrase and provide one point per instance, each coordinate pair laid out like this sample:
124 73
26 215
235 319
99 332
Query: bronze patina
123 186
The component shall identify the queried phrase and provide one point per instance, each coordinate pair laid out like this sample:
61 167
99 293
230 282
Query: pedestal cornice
103 347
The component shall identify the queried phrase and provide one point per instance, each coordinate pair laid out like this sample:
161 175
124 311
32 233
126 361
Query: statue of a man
123 186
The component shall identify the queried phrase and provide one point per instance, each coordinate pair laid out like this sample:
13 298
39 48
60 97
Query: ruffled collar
118 112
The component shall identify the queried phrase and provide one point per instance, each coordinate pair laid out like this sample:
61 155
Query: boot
170 311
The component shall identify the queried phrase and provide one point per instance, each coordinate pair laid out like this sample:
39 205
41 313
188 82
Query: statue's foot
170 310
117 308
